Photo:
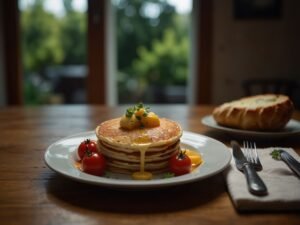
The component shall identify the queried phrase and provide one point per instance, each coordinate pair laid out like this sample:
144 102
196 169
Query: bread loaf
261 112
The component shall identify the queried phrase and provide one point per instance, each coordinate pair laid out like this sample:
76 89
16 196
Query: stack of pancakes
123 148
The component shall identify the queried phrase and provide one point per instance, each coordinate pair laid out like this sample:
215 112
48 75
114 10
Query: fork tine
255 153
247 151
251 154
253 158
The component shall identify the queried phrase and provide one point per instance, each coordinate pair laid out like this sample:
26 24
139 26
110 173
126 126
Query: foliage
164 63
73 35
136 28
49 40
151 50
37 91
40 45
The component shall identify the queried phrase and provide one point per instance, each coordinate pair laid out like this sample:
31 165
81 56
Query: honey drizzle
142 174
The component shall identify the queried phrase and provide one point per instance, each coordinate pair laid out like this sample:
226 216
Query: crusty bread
260 112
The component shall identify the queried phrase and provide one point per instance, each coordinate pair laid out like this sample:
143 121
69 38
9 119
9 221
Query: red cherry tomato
86 145
94 163
180 164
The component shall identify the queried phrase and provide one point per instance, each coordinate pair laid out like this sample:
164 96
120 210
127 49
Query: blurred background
155 51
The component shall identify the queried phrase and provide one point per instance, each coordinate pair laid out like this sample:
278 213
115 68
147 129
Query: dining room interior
142 86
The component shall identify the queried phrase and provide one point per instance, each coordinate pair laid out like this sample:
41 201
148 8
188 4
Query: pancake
126 150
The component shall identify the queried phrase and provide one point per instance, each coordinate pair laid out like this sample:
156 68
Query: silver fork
249 149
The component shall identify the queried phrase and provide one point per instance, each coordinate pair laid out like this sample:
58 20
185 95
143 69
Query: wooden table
31 193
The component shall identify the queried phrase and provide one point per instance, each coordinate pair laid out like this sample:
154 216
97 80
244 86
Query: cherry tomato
180 164
94 163
86 145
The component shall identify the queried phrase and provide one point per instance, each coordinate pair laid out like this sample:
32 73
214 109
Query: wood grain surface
31 193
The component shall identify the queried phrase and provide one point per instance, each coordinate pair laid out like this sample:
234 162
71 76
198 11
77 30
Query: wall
253 48
2 69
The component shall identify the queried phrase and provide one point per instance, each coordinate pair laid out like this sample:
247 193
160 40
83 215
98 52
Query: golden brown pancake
122 148
110 131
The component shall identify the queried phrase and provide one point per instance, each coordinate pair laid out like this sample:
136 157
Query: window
54 51
98 82
152 50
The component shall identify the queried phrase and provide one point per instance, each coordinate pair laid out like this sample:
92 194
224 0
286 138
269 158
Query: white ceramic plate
60 156
292 128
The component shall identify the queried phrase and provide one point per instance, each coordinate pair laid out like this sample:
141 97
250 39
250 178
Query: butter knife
290 161
255 184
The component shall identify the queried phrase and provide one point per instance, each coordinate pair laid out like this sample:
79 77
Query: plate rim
206 121
129 184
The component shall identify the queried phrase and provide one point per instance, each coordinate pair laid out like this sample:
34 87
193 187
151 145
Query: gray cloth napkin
283 185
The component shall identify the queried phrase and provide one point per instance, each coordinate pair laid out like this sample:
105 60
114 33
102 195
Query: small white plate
60 156
292 128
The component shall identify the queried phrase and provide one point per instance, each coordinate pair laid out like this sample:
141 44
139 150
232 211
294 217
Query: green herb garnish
276 154
146 111
106 175
140 105
168 175
129 112
132 110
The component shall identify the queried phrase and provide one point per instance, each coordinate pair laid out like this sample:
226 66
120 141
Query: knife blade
290 161
255 184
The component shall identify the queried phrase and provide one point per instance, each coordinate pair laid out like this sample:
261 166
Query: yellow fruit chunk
140 112
194 156
129 123
151 120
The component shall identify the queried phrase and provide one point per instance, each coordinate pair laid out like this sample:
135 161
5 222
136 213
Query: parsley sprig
276 154
168 175
131 110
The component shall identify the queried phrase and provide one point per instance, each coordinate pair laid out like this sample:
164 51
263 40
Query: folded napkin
283 185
